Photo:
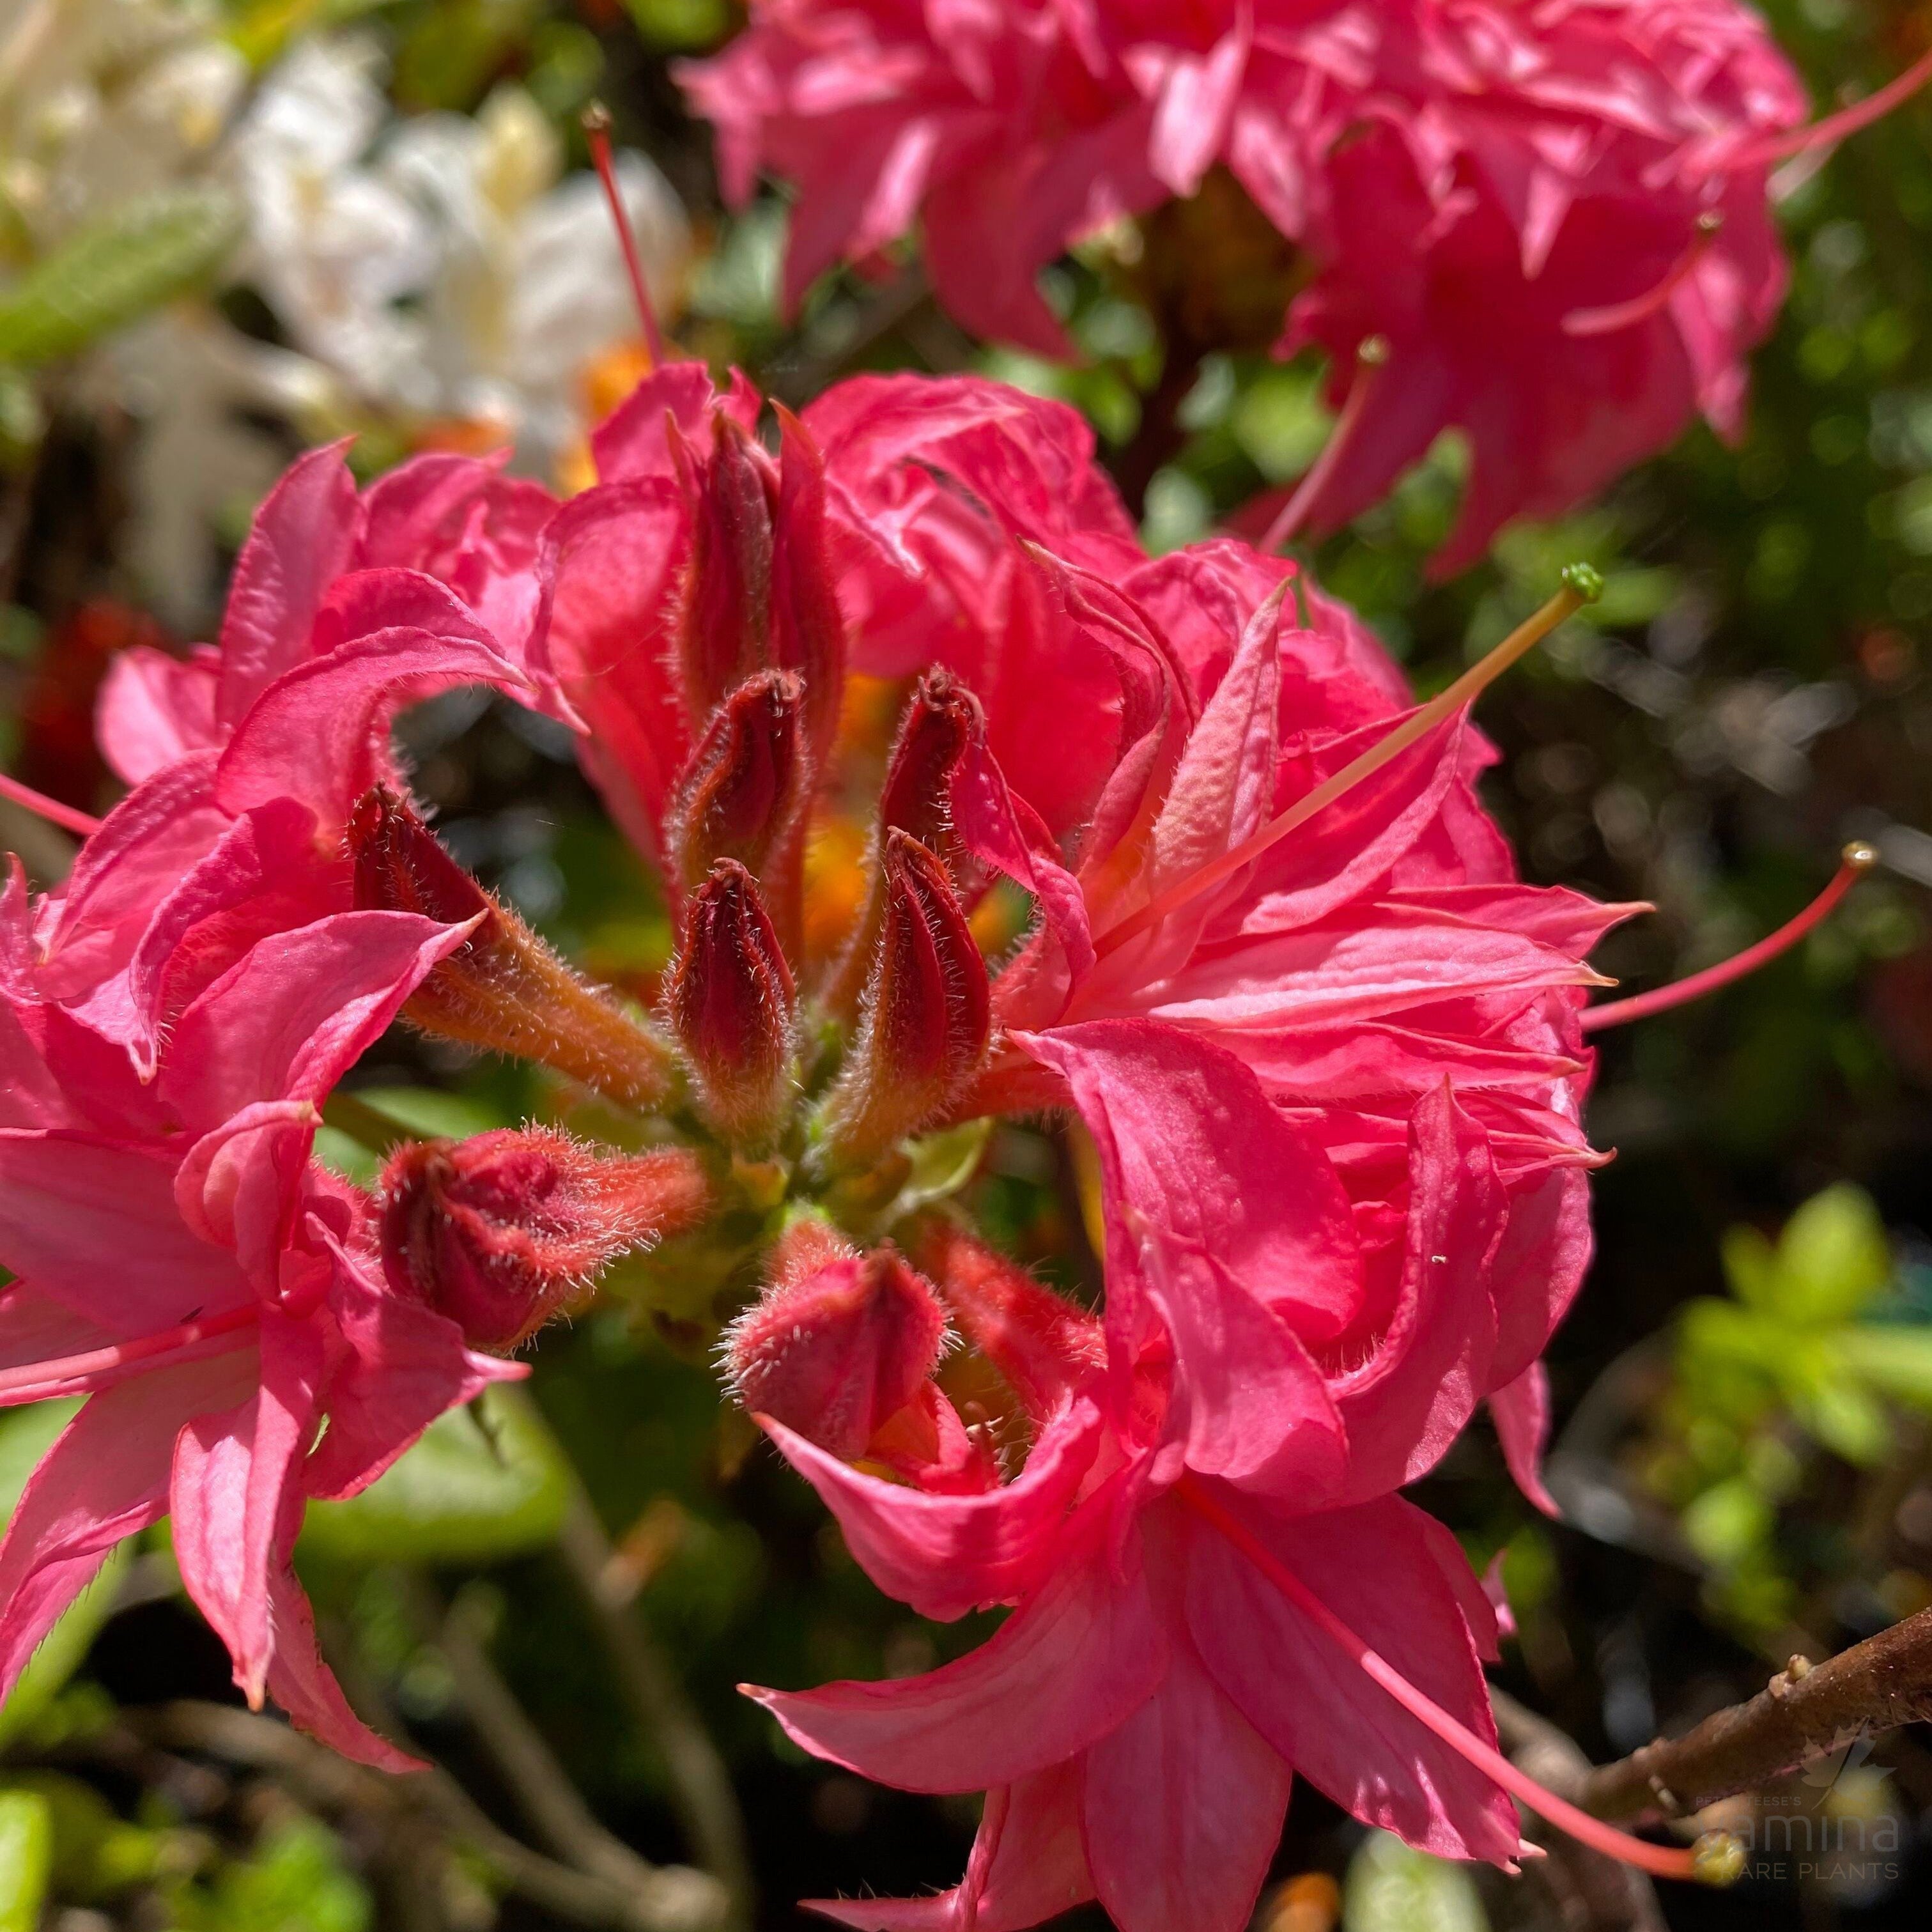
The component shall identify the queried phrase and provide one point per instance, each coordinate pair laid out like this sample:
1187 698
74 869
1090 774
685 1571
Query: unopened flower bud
503 989
839 1342
942 719
742 795
728 1000
809 625
502 1231
728 607
1045 1346
927 1013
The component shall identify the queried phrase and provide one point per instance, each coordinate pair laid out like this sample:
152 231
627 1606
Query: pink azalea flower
1118 727
184 1264
1138 1720
244 760
1556 219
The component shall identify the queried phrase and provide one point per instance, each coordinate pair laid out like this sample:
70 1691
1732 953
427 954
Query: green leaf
26 1859
463 1494
1727 1523
142 254
432 1115
942 1164
96 1852
25 1435
1833 1257
1897 1361
1751 1266
1836 1408
1390 1888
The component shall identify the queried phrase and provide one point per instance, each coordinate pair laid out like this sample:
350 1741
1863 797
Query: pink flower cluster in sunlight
846 691
1555 216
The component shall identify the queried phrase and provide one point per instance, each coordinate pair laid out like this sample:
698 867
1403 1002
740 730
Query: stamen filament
597 133
65 816
1858 858
1371 355
1836 127
73 1374
1581 586
1661 1861
1616 315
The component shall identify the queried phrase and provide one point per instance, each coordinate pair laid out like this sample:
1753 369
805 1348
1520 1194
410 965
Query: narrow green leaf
1897 1361
145 252
26 1857
1833 1257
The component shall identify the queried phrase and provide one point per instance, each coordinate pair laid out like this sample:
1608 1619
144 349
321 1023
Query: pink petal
403 1366
945 1555
105 1478
1184 1805
303 538
1070 1663
94 1224
232 1484
304 1686
1029 1864
154 710
1374 1568
1520 1411
1424 1375
290 1017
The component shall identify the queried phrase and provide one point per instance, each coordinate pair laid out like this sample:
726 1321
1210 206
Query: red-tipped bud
503 989
501 1232
1045 1346
942 720
727 613
928 1010
805 600
729 1001
838 1343
742 795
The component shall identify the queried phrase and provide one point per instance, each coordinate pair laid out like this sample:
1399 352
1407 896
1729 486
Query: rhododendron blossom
183 1264
1554 218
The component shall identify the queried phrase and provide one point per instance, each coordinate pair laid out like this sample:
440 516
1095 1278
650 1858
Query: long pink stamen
1607 321
64 816
1581 586
1661 1861
597 133
73 1374
1836 127
1858 858
1370 356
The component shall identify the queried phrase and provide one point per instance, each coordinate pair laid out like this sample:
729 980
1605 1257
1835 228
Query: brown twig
700 1786
701 1792
1591 1893
1806 1711
542 1787
318 1775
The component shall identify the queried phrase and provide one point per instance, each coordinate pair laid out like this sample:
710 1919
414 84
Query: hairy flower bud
742 795
941 720
1045 1346
839 1342
503 989
810 626
728 999
927 1014
502 1231
727 632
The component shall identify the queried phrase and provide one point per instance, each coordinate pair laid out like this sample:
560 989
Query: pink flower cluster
1333 1082
1554 215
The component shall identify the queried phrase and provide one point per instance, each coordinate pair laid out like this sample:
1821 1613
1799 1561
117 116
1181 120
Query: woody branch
1805 1712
